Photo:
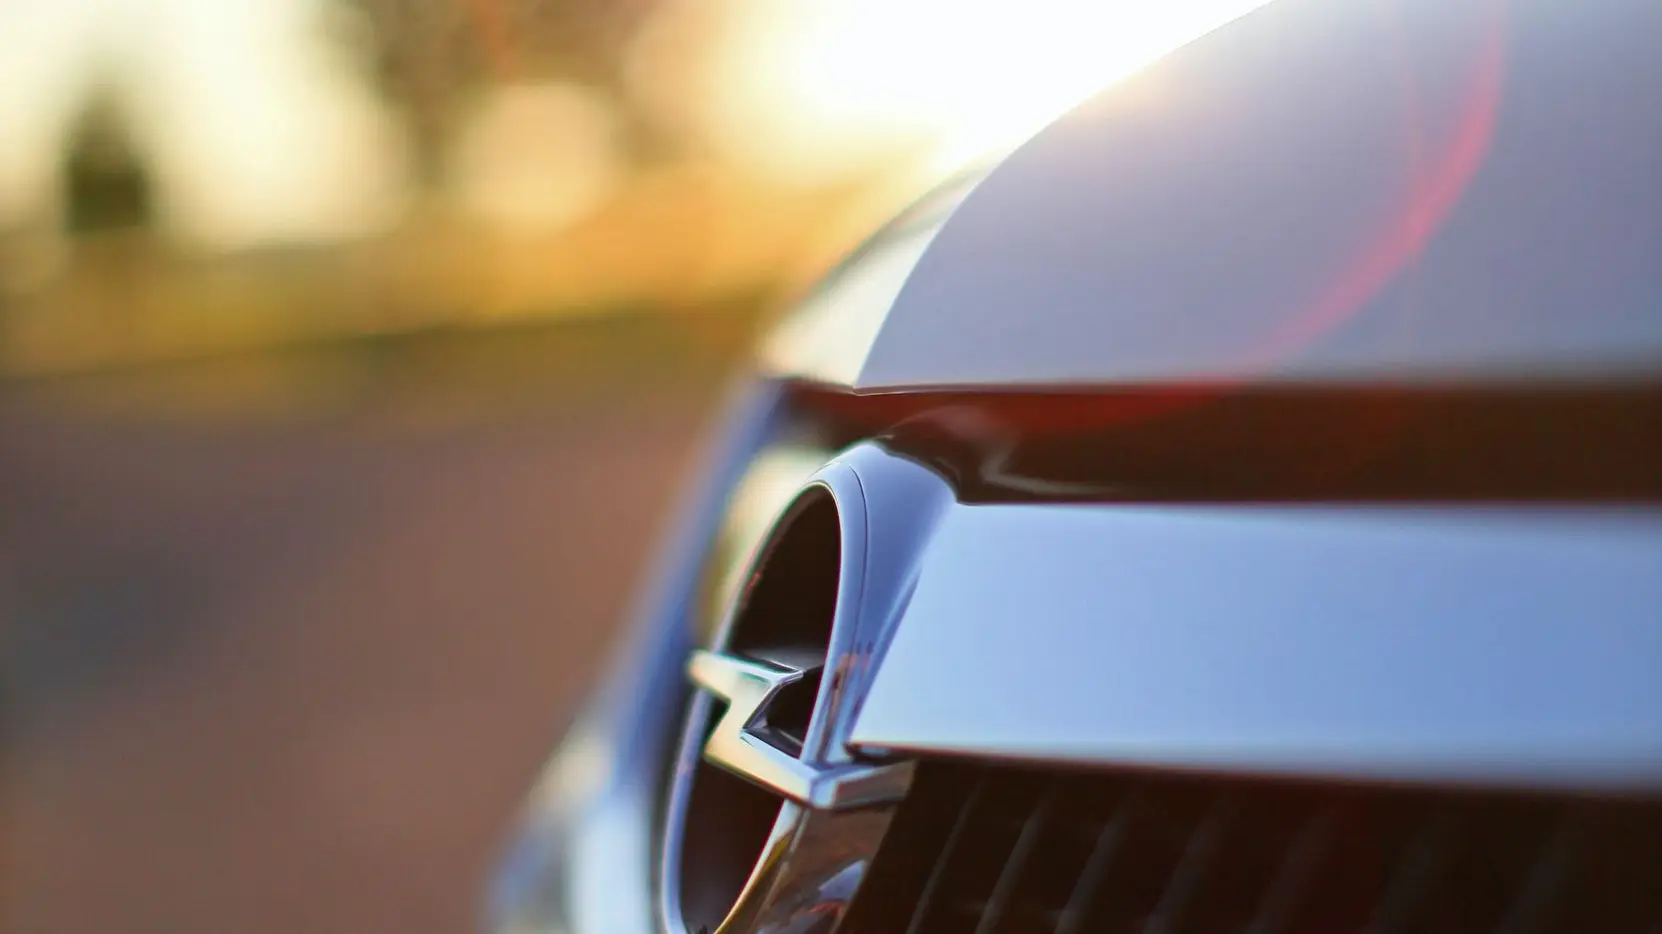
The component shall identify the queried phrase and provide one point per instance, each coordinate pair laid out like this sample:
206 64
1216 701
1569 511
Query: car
1234 510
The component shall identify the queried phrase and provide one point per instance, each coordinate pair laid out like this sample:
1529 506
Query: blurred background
350 354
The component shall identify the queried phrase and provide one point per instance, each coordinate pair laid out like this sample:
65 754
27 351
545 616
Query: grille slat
1531 910
1298 872
1010 877
937 876
1417 875
1185 883
1001 850
1075 913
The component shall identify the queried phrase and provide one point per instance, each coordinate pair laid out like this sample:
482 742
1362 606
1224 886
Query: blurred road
292 674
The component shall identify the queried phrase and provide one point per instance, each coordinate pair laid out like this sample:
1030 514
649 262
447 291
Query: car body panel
1403 191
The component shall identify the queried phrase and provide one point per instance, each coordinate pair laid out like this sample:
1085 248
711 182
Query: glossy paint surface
1498 645
1379 191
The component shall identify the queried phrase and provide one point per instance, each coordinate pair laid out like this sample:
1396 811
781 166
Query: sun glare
811 84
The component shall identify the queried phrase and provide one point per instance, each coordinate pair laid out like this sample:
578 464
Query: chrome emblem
774 815
744 743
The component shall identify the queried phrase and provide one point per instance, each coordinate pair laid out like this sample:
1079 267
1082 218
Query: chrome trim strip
1492 645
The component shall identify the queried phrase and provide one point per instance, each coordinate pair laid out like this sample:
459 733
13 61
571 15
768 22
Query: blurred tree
107 183
432 57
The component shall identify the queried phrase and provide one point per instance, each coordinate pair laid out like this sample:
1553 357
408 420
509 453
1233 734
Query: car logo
773 813
746 743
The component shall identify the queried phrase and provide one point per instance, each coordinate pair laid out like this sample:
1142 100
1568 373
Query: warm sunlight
809 85
255 130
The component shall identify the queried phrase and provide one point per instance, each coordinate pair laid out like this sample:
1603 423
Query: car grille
996 850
